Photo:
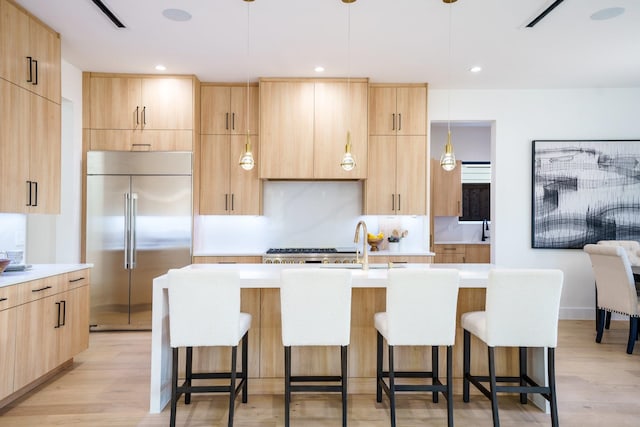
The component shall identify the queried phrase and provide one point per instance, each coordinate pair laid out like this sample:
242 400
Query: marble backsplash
303 214
449 229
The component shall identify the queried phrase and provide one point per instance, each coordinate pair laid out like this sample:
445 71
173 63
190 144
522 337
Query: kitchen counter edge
38 271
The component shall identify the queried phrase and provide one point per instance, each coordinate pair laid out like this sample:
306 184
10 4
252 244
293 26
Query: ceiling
388 41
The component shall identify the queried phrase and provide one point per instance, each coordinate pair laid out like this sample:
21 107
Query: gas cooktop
309 255
302 250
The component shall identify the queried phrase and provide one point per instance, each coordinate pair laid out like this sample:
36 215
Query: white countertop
462 242
38 271
268 275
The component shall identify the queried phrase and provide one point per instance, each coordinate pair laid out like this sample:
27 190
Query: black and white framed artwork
584 191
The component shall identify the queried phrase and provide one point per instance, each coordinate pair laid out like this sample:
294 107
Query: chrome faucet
365 253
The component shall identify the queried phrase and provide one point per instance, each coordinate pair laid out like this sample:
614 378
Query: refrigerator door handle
132 236
126 230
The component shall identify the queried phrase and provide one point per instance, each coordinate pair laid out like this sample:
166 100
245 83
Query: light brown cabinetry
304 124
397 177
223 109
29 151
398 110
462 253
139 113
47 326
446 190
29 52
8 321
226 188
396 183
400 259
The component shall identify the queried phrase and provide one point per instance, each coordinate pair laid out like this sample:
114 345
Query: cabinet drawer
449 249
76 279
41 288
8 297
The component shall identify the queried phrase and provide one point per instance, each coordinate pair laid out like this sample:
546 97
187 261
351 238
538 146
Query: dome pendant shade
448 159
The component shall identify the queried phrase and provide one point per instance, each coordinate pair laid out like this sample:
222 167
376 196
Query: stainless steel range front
309 256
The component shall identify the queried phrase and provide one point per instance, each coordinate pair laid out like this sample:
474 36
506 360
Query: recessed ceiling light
160 67
176 15
475 69
319 69
608 13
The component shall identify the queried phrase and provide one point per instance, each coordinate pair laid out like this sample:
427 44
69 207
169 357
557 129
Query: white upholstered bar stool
521 310
420 311
204 311
316 311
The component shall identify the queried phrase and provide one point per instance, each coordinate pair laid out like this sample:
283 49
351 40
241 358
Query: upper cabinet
146 113
304 125
224 109
446 190
29 114
397 178
29 52
398 110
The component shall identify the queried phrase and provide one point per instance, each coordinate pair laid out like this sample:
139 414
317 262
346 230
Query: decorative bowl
374 243
3 264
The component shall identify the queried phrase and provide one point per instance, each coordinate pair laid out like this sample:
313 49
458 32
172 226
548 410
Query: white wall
471 142
56 238
524 115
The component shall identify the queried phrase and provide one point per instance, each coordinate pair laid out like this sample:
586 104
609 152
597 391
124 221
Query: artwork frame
583 191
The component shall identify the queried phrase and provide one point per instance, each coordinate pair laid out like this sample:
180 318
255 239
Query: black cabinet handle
137 115
233 121
36 79
41 289
36 193
28 193
30 79
398 202
393 121
58 321
76 280
393 202
64 312
144 116
226 202
226 121
399 121
232 199
3 299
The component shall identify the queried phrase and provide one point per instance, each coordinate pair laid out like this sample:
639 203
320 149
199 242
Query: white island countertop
268 275
38 271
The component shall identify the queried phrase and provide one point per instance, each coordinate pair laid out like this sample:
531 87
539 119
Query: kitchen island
260 297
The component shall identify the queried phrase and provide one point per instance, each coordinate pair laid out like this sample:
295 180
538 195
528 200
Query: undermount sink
359 266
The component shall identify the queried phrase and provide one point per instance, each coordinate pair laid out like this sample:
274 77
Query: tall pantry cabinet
397 180
227 113
29 113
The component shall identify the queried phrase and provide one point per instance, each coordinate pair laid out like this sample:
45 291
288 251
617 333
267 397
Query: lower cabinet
400 259
44 331
462 253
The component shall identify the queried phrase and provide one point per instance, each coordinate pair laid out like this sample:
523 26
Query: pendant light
448 158
246 159
348 162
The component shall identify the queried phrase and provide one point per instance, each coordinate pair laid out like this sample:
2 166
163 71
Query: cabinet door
411 175
286 129
382 111
411 106
14 147
167 103
44 154
8 322
115 103
446 190
478 254
340 107
381 179
14 44
243 119
73 334
36 340
215 110
214 175
245 186
45 49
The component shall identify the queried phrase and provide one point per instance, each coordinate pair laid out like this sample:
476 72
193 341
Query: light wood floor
598 384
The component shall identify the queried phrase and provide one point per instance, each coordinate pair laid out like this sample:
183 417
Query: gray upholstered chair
522 309
204 310
421 311
631 247
316 311
616 291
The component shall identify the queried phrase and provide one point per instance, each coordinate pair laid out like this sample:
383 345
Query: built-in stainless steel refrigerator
138 226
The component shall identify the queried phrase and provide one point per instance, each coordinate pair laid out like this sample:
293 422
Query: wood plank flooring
108 385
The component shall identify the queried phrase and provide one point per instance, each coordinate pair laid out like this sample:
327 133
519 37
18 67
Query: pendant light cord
248 63
449 78
348 67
